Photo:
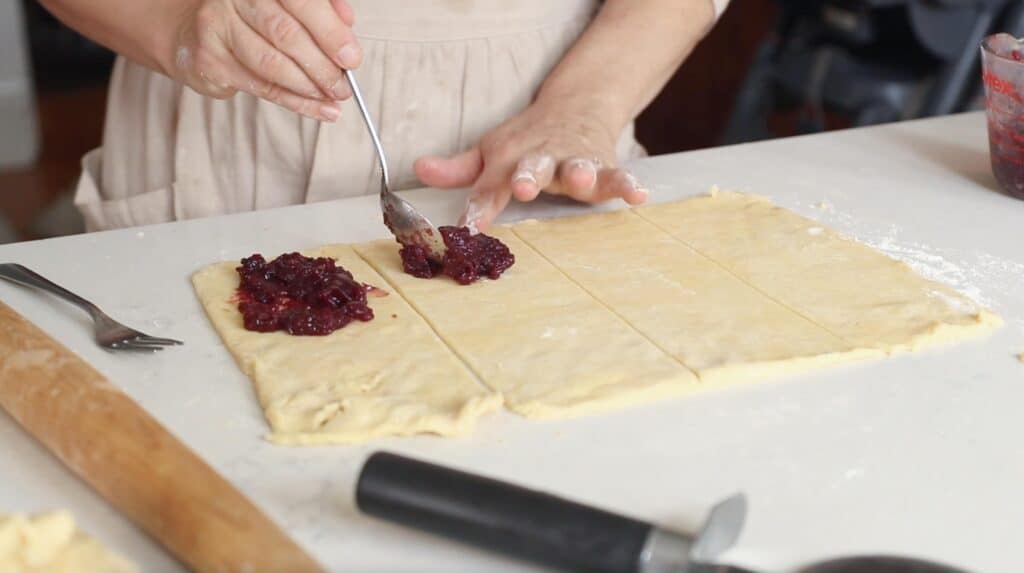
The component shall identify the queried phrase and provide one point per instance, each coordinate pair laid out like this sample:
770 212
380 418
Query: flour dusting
960 304
972 269
962 270
183 58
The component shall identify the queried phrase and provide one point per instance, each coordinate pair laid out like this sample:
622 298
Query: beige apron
437 75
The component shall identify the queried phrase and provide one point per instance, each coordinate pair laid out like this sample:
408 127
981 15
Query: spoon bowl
407 224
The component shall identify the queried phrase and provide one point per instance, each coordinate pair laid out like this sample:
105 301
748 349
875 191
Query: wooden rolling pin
130 459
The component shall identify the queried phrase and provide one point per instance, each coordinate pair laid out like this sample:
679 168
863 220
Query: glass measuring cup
1002 58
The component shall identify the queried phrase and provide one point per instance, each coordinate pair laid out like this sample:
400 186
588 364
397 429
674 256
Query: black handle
499 516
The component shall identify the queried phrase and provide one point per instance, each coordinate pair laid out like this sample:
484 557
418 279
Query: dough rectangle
694 310
600 311
548 346
391 376
853 291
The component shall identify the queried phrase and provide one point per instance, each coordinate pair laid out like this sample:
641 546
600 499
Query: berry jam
300 295
468 258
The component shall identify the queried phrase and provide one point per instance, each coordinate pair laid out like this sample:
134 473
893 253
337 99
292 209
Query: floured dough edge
715 377
984 320
668 388
461 425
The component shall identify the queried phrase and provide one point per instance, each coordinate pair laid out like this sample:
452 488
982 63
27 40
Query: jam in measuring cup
1002 58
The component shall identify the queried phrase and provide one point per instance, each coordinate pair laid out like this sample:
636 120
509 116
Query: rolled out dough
548 346
50 543
599 311
391 376
847 288
716 324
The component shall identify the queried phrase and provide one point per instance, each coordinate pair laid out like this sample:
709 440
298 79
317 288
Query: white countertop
920 454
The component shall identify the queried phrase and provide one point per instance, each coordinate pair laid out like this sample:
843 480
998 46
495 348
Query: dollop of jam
300 295
468 258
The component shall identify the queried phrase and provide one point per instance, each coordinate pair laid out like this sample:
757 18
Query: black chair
869 61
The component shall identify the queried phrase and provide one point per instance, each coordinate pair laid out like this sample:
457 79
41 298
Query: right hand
290 52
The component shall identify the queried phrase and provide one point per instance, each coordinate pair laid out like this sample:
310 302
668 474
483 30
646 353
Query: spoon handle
361 103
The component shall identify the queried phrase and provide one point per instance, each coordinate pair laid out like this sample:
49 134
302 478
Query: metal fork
109 333
407 224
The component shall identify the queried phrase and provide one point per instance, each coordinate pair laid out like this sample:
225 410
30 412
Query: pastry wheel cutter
536 526
566 535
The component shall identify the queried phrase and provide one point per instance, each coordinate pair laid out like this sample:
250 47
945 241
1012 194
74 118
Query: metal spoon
405 222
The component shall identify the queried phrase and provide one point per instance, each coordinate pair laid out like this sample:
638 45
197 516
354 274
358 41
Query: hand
290 52
557 149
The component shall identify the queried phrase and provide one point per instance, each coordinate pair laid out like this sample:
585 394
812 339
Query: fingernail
524 176
582 164
349 56
330 112
631 180
640 192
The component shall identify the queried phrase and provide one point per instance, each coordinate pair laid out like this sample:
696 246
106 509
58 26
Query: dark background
692 111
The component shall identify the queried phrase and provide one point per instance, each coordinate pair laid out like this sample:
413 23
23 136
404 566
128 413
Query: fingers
290 37
495 182
577 178
484 205
584 180
214 71
620 184
245 80
489 196
580 179
326 24
264 60
534 173
461 170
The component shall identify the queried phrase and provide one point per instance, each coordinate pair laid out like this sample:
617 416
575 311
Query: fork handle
27 277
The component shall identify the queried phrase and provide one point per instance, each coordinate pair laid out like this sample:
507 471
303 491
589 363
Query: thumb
460 170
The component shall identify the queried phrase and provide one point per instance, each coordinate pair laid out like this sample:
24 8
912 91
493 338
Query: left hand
557 149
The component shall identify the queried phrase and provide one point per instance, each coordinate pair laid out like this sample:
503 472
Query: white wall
19 135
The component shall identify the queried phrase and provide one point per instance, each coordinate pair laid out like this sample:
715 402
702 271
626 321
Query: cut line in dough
693 310
853 291
537 338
